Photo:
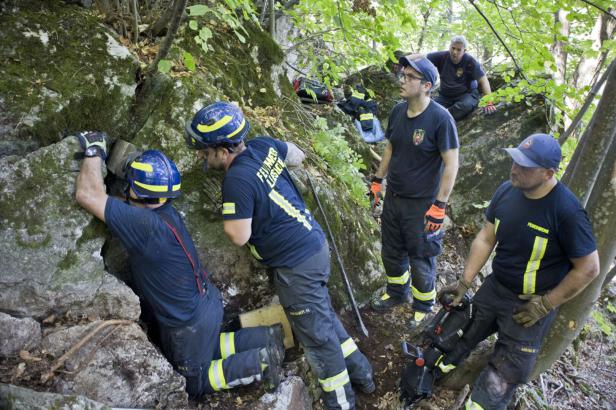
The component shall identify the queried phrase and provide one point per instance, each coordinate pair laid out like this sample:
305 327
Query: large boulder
51 262
62 70
25 334
118 367
19 398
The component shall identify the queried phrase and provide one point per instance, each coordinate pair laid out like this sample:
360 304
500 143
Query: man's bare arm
481 248
584 271
384 165
90 188
450 171
295 156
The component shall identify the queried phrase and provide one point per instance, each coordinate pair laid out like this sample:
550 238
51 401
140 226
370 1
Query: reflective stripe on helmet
157 188
141 166
216 126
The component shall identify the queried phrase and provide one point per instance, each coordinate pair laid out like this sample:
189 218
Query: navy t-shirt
416 165
258 185
161 270
456 79
536 238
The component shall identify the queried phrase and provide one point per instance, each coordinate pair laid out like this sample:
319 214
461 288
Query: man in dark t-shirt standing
168 276
420 162
462 78
545 255
263 209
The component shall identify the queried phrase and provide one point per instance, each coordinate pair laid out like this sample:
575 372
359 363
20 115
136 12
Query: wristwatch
92 151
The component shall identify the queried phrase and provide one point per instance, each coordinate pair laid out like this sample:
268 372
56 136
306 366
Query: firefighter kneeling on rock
545 255
263 209
168 276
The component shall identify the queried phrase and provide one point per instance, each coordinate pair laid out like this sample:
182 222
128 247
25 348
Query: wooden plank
267 316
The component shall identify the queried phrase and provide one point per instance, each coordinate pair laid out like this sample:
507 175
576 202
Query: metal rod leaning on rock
339 259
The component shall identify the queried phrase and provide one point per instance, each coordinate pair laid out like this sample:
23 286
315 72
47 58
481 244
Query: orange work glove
435 216
375 193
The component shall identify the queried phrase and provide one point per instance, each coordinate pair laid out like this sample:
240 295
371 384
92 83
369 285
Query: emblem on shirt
459 72
418 136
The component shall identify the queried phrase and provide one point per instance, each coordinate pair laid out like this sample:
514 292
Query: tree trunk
559 52
584 167
602 212
178 9
159 26
426 16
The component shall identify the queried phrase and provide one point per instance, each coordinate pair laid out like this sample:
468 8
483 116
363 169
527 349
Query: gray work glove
94 143
457 291
529 313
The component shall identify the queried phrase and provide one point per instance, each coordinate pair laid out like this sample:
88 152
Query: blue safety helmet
153 175
220 123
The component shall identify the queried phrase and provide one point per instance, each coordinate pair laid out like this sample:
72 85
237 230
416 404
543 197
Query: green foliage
189 61
342 161
604 325
164 66
611 308
224 12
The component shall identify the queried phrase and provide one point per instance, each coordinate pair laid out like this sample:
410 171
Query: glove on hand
435 216
488 109
536 308
375 193
94 143
456 290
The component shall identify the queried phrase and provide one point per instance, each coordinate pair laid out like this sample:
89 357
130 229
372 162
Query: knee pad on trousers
491 390
310 327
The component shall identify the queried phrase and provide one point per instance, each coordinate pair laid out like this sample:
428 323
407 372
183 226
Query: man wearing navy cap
545 255
420 162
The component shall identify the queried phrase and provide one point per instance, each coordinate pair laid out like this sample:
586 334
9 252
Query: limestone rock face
291 394
119 367
62 70
51 260
15 397
18 334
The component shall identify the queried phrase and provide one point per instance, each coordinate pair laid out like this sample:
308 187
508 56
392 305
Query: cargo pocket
309 330
433 243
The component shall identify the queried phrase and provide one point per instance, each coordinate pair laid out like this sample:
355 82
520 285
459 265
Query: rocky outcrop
15 397
25 334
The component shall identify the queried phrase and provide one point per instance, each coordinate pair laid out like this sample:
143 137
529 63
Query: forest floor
584 377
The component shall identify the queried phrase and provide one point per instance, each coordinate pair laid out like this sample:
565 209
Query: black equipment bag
312 91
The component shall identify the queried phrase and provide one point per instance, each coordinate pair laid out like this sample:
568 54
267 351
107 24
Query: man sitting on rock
168 276
461 76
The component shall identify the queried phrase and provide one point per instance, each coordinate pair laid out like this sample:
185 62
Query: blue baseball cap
537 151
421 65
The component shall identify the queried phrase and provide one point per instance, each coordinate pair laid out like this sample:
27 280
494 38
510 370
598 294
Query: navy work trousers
515 352
210 360
330 351
409 253
461 106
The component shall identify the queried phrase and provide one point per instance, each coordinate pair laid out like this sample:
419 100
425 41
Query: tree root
59 362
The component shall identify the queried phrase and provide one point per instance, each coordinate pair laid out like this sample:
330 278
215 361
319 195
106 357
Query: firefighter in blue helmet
545 255
169 278
263 209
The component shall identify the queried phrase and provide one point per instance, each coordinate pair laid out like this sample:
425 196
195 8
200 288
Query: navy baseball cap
537 151
421 65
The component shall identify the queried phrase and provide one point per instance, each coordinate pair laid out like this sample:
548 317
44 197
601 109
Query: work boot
367 388
271 367
385 302
275 339
418 318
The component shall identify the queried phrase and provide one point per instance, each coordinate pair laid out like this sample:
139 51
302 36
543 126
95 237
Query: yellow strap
423 296
366 116
253 250
399 280
332 383
471 405
357 94
348 347
496 224
530 275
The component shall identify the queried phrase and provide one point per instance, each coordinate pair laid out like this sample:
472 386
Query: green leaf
205 33
189 61
198 10
193 25
164 66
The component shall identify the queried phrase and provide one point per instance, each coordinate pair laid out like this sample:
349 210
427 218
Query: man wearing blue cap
545 255
421 163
